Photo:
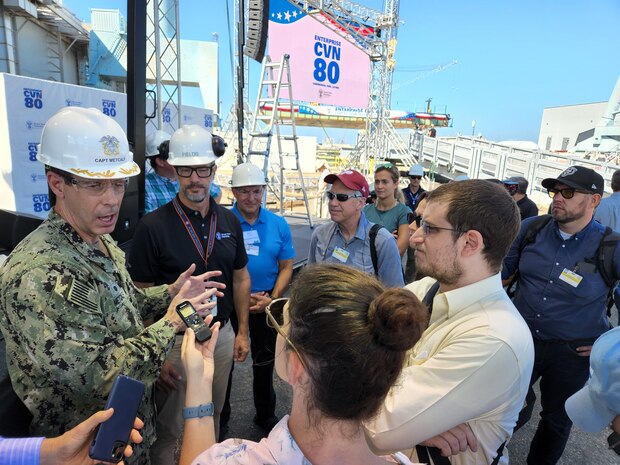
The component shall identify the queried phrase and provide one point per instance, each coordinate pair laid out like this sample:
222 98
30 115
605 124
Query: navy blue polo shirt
271 242
162 248
553 308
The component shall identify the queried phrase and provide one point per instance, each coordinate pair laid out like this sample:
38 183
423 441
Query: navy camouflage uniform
72 320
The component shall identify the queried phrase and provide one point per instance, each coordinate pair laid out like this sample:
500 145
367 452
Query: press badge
251 242
571 277
340 254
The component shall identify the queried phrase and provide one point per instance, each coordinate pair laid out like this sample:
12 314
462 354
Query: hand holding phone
193 320
113 435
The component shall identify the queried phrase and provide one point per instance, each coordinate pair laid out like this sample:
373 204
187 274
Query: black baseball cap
578 177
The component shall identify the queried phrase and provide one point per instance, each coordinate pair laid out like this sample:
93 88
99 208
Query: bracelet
204 410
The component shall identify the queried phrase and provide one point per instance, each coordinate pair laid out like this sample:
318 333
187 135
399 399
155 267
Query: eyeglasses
415 177
275 320
411 217
428 229
247 192
567 192
201 171
99 187
342 197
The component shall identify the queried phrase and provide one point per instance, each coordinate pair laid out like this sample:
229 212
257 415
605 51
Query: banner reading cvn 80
324 68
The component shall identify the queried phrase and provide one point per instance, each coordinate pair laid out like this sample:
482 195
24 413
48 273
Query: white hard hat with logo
153 140
85 142
416 170
191 145
247 174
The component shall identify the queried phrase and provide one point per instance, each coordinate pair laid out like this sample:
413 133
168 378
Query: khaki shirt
72 320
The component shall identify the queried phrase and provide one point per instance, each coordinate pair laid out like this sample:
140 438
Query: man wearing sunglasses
346 239
193 230
562 296
468 374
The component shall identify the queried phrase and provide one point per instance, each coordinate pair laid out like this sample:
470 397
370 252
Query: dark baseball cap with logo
578 177
352 179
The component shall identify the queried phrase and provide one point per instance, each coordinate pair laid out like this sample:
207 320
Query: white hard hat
247 174
191 145
416 170
87 143
153 140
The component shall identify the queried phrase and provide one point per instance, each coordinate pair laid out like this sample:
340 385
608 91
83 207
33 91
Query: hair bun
397 319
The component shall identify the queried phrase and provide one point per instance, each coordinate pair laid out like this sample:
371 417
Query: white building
561 126
42 39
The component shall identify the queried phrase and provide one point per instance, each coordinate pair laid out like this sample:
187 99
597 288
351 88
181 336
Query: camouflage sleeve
78 332
153 301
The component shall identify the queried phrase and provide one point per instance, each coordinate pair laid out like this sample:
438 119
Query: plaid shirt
159 190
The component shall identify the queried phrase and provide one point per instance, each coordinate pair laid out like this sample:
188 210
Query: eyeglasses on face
428 229
567 192
99 187
256 192
275 320
412 217
415 177
342 197
201 171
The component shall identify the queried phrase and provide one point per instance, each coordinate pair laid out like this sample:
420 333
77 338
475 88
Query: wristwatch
204 410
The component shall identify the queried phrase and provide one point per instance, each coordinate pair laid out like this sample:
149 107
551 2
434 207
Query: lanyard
192 233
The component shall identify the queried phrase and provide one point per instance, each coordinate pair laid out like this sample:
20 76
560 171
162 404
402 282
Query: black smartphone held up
112 436
193 320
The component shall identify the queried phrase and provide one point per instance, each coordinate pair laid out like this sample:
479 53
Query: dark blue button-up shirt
553 308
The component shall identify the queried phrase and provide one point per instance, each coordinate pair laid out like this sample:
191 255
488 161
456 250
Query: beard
446 269
195 197
562 216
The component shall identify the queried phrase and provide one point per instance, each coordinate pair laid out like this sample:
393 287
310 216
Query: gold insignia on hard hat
110 145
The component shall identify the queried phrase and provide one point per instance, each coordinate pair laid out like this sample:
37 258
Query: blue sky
515 57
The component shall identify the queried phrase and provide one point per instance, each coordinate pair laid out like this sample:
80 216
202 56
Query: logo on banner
37 177
110 145
40 203
166 115
32 151
33 98
73 103
108 107
208 121
34 125
326 65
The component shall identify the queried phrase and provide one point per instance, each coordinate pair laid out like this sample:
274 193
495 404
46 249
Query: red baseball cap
352 179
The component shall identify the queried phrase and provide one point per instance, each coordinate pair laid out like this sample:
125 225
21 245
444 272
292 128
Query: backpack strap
373 247
430 295
529 238
605 256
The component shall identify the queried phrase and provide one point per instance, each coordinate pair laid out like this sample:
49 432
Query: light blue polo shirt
267 241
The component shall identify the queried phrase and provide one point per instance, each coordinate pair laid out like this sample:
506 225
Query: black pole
240 80
136 86
133 202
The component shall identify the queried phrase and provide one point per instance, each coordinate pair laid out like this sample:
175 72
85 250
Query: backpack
373 248
602 260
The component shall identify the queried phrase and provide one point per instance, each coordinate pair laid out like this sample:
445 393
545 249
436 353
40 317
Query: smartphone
193 320
112 436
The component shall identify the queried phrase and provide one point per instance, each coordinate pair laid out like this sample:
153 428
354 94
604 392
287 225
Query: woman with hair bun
342 342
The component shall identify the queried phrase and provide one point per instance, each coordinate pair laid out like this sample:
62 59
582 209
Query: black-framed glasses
567 192
342 197
275 320
98 187
428 229
201 171
412 217
415 177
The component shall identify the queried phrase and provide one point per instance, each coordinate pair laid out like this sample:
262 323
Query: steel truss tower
163 72
373 32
